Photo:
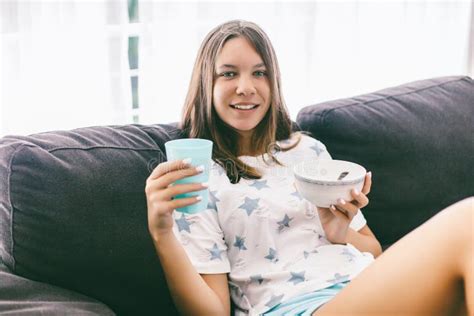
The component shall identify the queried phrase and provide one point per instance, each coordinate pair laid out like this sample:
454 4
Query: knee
468 200
465 210
459 218
466 206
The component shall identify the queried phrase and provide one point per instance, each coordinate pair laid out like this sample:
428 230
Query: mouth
246 107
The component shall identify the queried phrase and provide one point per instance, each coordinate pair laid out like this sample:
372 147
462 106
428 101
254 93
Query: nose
245 86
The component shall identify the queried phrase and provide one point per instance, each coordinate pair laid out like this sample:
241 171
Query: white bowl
317 180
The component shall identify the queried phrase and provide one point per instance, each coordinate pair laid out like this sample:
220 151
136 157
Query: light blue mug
200 152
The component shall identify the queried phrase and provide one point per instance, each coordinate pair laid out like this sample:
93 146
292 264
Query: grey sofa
73 225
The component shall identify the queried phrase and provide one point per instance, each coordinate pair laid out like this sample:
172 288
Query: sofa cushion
417 139
73 213
21 296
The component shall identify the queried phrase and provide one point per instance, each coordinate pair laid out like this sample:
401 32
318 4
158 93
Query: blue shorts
306 304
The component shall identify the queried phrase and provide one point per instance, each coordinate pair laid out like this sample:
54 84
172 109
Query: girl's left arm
364 240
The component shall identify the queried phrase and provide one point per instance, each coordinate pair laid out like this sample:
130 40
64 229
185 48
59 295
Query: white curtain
64 64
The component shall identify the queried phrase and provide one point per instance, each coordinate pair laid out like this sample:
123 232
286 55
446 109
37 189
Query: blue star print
249 205
297 277
259 184
274 300
285 222
272 255
240 243
317 148
347 252
256 278
319 235
338 278
183 224
306 253
213 200
215 252
297 194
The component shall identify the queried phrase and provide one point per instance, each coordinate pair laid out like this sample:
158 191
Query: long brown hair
200 119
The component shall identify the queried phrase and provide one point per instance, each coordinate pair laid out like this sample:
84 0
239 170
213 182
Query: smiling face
241 79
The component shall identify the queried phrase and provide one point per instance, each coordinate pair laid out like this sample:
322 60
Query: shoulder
314 143
304 141
308 146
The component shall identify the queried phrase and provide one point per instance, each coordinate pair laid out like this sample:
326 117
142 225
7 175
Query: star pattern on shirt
297 277
349 254
319 235
307 253
297 194
259 184
257 278
183 223
240 243
285 222
318 149
249 205
213 200
274 300
272 255
215 252
338 278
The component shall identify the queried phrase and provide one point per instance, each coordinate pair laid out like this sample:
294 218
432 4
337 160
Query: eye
261 73
228 74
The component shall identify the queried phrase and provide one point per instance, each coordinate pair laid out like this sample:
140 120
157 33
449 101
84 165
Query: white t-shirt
266 236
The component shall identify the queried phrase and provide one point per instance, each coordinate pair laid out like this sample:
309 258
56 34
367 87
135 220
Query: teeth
244 107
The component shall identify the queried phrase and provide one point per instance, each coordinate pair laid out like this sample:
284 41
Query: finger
169 166
178 203
153 185
156 193
182 188
169 178
339 213
323 209
360 199
367 183
348 208
181 202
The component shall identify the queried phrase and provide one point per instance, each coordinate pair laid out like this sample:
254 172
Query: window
133 47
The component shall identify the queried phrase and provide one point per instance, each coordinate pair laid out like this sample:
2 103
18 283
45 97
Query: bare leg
427 272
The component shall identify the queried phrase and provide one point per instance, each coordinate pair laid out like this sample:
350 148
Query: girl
259 243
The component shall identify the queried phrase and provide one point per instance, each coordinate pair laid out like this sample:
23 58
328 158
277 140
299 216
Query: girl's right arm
192 293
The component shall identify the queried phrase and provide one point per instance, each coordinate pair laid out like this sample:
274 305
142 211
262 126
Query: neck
245 146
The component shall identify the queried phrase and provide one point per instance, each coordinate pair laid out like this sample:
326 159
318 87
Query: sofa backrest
418 141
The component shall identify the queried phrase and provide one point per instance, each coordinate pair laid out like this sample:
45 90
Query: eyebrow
233 66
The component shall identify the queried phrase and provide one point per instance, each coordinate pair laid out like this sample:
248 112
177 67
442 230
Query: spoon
343 175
